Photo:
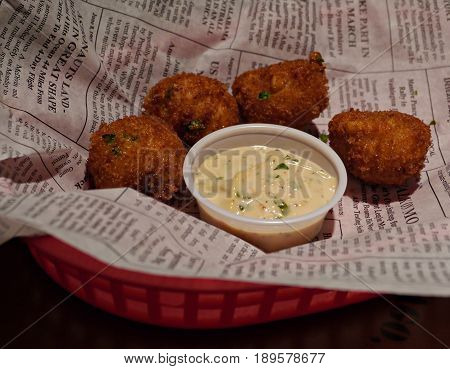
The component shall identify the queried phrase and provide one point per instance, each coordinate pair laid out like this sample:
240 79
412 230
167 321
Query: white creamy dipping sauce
264 182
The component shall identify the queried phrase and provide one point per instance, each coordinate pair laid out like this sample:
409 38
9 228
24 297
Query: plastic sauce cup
268 235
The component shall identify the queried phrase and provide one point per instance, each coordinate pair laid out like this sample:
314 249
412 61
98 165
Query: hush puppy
382 147
137 152
288 93
192 104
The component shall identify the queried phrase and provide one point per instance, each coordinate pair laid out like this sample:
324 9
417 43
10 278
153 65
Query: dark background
27 293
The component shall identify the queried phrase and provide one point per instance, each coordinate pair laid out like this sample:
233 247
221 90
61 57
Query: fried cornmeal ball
194 105
288 93
382 147
137 152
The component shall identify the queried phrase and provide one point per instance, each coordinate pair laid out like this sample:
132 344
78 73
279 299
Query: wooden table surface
27 294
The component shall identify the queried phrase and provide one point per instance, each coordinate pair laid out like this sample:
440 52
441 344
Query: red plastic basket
178 302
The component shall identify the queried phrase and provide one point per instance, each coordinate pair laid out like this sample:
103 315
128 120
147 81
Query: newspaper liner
67 66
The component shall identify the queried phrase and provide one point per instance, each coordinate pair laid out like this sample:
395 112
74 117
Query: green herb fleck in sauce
281 166
282 205
293 160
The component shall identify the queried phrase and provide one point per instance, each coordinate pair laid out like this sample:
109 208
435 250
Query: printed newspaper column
439 86
419 32
135 55
211 23
49 48
440 181
47 62
191 234
406 259
39 158
291 30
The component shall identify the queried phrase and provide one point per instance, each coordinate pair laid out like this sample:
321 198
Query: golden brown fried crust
193 105
137 152
383 147
288 93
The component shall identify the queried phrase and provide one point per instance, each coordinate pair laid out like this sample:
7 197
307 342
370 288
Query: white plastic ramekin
268 235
